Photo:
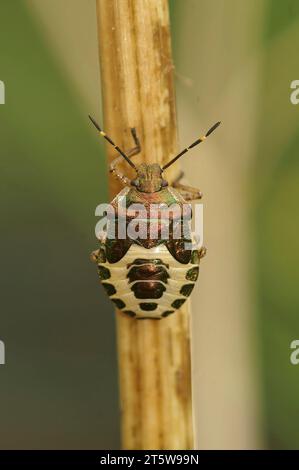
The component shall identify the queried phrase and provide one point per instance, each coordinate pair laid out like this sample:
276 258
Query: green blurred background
235 62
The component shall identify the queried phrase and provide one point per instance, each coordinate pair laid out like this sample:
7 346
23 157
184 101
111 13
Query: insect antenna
198 141
103 134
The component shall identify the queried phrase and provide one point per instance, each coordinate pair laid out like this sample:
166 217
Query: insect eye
164 183
134 182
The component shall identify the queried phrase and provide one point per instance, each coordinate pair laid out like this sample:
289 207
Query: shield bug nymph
149 276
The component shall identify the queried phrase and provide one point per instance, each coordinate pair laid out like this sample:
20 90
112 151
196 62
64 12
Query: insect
149 277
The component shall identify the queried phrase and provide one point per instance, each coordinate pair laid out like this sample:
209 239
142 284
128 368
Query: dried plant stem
138 91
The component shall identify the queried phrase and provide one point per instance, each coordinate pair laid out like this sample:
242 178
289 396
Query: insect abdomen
148 283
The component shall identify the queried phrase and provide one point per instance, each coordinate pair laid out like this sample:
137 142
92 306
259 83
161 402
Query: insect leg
115 172
133 151
187 192
202 252
177 179
137 149
94 256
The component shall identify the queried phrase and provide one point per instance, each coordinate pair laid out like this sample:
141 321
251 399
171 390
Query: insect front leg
177 179
187 192
137 149
130 153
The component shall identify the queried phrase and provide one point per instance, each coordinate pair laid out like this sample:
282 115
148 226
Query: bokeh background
234 62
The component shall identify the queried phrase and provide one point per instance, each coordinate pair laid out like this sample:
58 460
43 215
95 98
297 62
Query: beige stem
138 91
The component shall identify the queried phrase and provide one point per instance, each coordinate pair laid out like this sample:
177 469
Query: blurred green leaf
59 386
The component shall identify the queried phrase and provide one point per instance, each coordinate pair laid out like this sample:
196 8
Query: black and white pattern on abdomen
148 283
